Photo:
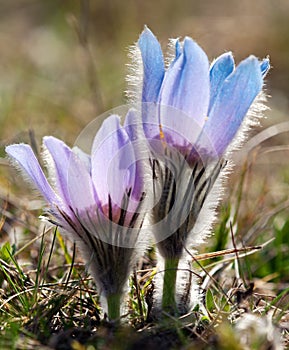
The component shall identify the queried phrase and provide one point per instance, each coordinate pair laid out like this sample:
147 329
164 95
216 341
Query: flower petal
84 157
153 65
186 87
178 49
80 185
27 161
221 68
231 105
186 84
265 66
133 128
112 155
60 154
72 177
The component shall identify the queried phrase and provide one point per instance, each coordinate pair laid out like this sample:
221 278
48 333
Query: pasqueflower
191 113
95 199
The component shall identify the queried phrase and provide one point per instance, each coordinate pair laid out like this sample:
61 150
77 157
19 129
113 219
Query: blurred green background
54 82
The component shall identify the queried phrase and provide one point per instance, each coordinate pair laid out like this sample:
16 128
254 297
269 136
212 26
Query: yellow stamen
162 135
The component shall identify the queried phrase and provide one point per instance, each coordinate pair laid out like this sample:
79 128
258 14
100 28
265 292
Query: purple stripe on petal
220 69
26 159
153 65
231 105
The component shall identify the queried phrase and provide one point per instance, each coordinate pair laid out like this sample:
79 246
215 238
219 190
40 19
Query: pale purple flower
191 112
95 199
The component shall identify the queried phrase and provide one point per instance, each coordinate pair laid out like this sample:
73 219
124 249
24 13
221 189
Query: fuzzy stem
113 306
169 289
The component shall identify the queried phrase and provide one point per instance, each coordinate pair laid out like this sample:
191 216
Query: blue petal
220 69
186 85
178 51
178 48
265 66
153 65
26 159
231 105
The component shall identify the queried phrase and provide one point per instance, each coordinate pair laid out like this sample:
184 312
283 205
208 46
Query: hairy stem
113 306
169 289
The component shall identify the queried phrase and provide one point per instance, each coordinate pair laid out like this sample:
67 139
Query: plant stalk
169 304
113 306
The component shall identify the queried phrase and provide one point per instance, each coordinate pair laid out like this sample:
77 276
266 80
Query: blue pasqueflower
95 199
191 113
213 100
